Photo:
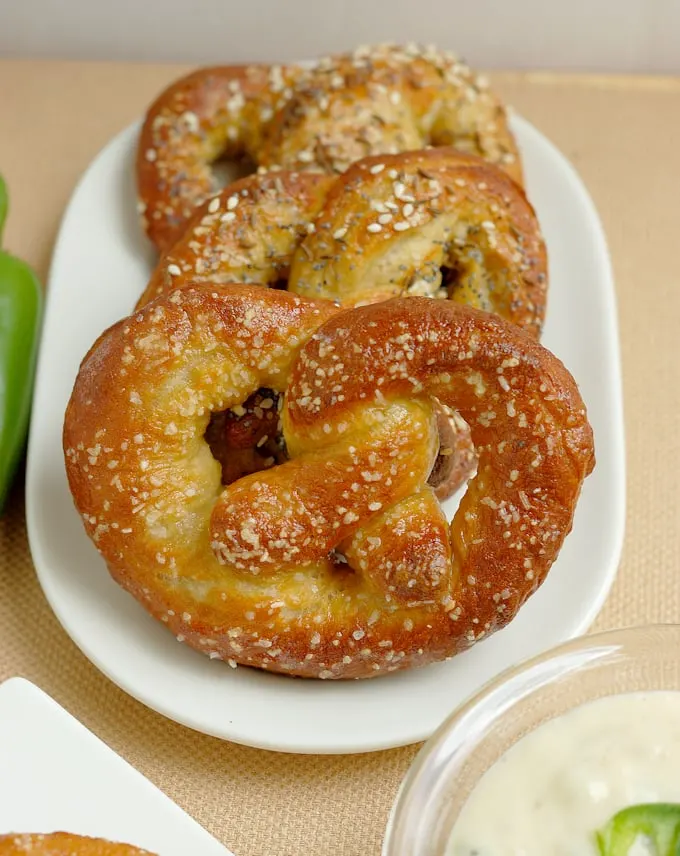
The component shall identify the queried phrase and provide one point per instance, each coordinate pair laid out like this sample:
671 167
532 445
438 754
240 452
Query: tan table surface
623 135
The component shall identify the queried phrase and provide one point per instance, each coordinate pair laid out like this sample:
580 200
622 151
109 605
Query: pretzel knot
324 117
433 223
338 563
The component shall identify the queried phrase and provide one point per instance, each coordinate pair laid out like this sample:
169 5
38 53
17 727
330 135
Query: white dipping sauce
554 788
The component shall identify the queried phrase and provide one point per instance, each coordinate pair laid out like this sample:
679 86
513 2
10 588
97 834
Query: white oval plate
100 266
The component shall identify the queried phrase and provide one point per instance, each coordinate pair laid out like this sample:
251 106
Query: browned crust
385 227
63 844
384 234
205 114
387 99
247 233
458 208
247 573
384 99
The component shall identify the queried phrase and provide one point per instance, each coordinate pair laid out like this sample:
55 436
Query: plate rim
415 734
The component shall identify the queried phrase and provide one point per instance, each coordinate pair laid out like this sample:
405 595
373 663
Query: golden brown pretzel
211 113
389 225
387 99
373 101
249 233
427 222
63 844
338 563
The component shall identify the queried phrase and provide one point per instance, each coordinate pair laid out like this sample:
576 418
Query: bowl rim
601 643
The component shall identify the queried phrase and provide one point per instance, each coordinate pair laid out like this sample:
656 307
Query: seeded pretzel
63 844
432 223
378 100
338 563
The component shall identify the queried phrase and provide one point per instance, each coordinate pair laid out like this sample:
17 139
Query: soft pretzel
432 223
387 99
338 563
63 844
248 233
376 100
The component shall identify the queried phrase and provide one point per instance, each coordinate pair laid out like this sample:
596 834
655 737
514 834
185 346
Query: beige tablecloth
623 135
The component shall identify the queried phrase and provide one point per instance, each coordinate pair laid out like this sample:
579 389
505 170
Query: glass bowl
475 736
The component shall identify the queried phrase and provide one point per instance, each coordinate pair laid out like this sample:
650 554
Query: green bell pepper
20 310
658 822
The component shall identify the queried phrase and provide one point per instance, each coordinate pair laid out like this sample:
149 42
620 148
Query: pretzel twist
432 223
382 100
63 844
338 563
